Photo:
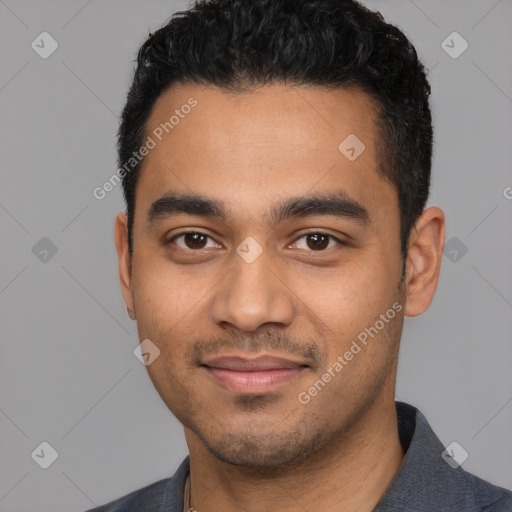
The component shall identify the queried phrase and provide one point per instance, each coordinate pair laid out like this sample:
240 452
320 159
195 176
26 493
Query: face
263 256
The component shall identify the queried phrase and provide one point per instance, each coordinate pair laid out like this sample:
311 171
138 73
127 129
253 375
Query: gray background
68 373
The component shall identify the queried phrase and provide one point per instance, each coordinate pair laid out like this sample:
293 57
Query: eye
193 240
317 241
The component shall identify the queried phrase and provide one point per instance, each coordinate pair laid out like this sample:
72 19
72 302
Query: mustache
269 341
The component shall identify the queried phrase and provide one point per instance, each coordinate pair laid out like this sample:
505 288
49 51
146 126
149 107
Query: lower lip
253 382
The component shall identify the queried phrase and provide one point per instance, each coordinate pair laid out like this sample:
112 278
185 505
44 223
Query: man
276 157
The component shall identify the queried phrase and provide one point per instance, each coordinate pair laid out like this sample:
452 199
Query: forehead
278 141
280 115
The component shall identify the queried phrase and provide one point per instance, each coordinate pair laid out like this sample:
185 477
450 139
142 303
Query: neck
350 474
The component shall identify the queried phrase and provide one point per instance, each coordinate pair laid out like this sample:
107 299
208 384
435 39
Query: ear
423 265
124 262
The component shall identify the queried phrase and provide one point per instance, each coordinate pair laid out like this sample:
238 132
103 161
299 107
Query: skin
251 452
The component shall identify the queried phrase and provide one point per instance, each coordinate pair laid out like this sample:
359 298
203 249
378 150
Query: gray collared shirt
425 482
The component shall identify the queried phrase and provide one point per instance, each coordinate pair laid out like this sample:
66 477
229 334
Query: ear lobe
424 256
124 262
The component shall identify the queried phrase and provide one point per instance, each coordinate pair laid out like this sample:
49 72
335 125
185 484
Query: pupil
323 239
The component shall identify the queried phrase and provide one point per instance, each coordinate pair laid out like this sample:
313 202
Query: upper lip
244 364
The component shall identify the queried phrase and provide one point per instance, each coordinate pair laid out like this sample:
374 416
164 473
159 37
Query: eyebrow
337 204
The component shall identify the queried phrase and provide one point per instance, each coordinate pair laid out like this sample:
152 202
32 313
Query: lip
252 375
246 364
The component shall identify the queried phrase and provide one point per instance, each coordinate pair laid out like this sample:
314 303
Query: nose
252 295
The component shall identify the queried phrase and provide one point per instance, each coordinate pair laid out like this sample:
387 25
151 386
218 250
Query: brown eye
192 241
317 241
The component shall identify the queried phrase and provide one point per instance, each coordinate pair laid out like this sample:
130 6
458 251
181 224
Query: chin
264 450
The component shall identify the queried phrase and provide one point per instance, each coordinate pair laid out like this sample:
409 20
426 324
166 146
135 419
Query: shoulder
459 489
429 478
163 496
146 499
486 496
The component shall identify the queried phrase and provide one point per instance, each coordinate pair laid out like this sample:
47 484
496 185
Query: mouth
252 376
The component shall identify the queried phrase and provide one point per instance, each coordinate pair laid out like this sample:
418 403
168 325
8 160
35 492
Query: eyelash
171 241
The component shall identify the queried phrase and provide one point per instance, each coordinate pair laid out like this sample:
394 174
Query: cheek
169 382
347 307
348 296
163 296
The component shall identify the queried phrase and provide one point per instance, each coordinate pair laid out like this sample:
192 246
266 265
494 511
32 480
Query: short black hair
240 45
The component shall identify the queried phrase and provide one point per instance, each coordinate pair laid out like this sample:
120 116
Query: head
277 208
